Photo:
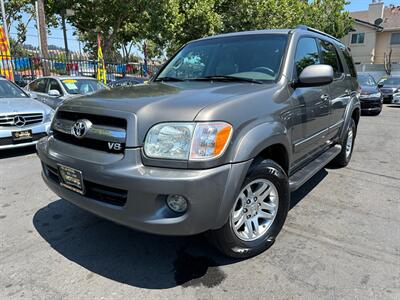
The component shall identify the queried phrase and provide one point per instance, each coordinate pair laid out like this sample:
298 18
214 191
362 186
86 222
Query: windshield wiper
229 78
168 78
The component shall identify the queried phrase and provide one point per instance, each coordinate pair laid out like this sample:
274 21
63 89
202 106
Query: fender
354 103
259 138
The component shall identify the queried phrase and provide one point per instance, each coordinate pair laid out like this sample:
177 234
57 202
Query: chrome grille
20 120
103 134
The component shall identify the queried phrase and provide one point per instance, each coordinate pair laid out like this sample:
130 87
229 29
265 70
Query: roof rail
305 27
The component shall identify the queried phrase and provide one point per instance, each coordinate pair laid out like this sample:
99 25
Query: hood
164 102
22 105
365 89
389 89
158 102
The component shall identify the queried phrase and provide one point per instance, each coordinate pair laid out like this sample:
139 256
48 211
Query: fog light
177 203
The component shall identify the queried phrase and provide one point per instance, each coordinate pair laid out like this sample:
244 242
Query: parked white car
55 90
396 98
23 120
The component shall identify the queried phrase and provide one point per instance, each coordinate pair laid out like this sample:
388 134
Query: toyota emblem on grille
80 128
19 121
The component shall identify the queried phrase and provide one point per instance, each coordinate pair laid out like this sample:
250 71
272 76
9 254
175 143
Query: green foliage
168 24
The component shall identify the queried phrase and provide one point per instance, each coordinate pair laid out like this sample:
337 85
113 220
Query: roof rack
305 27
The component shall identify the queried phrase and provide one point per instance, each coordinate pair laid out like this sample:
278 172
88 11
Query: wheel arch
267 140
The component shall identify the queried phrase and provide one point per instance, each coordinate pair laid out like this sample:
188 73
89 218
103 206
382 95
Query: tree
329 16
169 24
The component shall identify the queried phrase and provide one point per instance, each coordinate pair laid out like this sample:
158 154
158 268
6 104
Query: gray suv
215 143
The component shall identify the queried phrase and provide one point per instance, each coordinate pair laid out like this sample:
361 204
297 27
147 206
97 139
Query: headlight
375 95
49 116
187 141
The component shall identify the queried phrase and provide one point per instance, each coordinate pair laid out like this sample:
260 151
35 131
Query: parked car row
26 114
373 94
23 120
56 89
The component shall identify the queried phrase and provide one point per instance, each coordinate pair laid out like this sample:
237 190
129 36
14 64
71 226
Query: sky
56 35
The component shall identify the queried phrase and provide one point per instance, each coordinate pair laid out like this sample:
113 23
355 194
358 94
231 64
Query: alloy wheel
255 210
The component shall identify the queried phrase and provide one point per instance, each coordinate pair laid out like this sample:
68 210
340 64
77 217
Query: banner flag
6 68
101 68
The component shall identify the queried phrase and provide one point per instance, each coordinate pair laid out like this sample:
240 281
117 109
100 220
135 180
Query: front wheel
258 213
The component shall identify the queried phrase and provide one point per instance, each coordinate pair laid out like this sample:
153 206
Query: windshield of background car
9 90
257 57
390 81
82 86
366 80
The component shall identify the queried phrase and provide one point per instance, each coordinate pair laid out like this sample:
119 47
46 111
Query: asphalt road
341 239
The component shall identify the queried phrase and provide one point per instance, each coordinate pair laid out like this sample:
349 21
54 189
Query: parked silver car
23 120
55 90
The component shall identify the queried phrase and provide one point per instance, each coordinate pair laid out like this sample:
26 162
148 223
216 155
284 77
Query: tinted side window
349 62
306 54
38 86
330 57
53 85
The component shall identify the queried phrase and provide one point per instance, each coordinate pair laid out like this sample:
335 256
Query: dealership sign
6 68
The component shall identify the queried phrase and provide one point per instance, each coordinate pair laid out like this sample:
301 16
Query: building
376 32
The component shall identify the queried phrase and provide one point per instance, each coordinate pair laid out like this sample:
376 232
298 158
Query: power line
49 37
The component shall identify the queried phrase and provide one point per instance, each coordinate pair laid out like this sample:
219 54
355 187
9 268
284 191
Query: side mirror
54 93
380 85
315 75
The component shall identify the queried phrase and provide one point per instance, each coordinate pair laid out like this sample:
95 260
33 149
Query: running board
308 171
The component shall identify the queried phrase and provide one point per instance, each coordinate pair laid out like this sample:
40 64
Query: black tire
225 238
343 159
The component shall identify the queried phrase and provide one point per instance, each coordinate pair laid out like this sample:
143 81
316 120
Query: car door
53 84
311 107
339 90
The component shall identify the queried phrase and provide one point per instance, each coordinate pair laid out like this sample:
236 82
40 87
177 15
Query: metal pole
37 25
64 28
3 13
43 37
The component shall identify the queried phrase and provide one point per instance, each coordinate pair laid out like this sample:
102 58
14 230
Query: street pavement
341 239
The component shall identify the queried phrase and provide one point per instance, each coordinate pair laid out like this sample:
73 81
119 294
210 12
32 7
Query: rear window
349 62
330 57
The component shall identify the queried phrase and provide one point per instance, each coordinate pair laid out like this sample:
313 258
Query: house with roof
376 34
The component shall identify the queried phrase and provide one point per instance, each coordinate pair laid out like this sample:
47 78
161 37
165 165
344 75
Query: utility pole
66 13
43 36
64 29
3 13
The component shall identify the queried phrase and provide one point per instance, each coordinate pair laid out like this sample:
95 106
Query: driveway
341 239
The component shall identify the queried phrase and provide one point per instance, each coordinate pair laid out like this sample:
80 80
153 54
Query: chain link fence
26 69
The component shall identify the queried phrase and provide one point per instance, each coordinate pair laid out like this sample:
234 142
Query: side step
308 171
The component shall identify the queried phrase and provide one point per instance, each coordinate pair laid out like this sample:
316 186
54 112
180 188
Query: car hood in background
389 89
365 90
22 105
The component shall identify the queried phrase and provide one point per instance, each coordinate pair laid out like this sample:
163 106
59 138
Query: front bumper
141 191
371 104
38 131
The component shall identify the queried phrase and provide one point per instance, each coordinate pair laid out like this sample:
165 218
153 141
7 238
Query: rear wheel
258 213
344 156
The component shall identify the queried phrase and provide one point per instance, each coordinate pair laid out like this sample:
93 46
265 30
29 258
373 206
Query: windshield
253 57
390 81
9 90
82 86
366 80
